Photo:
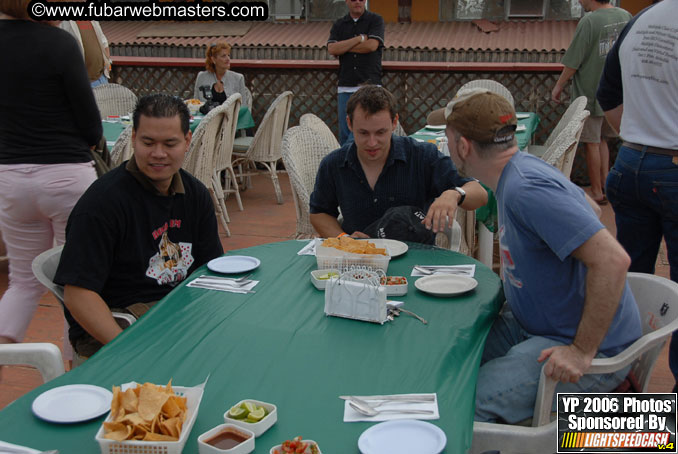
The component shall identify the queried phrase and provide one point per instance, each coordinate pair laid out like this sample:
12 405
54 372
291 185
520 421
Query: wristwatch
462 193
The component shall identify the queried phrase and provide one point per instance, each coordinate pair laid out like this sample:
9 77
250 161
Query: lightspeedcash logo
147 10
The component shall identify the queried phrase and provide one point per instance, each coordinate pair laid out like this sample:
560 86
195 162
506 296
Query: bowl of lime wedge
253 415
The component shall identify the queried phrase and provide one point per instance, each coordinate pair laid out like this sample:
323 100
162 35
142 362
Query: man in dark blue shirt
380 171
357 40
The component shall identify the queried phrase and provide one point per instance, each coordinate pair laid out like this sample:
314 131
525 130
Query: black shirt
356 69
130 244
414 175
47 110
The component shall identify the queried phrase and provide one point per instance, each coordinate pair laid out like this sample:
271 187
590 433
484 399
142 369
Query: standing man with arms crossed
564 274
639 94
357 39
584 60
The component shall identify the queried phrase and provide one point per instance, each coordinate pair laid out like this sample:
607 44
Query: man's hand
441 213
359 234
566 363
555 94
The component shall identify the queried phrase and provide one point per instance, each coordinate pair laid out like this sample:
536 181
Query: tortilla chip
150 436
151 401
146 412
130 401
171 409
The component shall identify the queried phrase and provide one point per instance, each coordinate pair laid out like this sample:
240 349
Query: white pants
35 202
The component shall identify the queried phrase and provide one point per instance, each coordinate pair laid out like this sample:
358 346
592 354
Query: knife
397 397
226 288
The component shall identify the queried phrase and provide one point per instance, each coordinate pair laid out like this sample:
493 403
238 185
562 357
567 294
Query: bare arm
91 312
565 76
327 226
606 263
359 44
614 117
444 207
594 205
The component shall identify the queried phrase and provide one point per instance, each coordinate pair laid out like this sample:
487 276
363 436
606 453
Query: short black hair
372 99
161 105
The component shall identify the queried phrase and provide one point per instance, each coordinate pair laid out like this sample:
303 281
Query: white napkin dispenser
359 300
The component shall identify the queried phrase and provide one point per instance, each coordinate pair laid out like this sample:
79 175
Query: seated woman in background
218 81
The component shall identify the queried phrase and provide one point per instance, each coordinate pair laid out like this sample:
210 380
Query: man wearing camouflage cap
564 274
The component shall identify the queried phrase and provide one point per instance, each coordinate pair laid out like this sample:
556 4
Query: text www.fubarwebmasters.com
147 10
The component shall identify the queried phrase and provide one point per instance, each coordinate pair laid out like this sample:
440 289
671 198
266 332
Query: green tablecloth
278 346
112 130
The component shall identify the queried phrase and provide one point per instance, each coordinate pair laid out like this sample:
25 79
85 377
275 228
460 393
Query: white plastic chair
45 357
657 300
492 85
302 150
114 99
44 268
266 146
200 159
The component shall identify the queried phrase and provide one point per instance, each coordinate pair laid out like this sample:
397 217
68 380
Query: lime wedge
249 407
237 413
257 415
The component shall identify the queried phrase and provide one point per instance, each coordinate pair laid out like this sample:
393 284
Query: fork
240 282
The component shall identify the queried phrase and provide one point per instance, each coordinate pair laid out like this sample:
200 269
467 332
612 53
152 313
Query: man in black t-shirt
357 39
137 231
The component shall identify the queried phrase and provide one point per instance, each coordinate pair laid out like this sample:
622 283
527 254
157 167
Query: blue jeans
345 134
643 190
100 81
509 373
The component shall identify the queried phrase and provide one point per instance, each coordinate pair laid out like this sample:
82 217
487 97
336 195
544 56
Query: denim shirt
414 174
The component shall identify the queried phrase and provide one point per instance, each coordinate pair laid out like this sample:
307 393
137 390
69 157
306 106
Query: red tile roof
529 36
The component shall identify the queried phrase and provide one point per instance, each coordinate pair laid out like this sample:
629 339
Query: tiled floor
262 221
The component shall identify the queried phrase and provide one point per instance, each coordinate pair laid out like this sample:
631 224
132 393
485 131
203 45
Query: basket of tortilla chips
344 252
149 419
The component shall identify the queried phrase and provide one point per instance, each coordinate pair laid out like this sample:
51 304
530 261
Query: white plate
438 127
395 248
446 284
233 264
402 437
72 403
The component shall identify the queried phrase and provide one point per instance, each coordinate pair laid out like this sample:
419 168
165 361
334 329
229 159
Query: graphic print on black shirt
171 263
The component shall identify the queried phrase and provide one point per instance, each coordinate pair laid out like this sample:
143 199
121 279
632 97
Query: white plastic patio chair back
657 300
200 159
266 146
302 150
45 357
319 127
44 268
563 149
123 149
114 99
223 156
492 85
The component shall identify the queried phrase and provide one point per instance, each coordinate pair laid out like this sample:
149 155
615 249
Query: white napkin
222 287
309 249
460 270
16 449
350 415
